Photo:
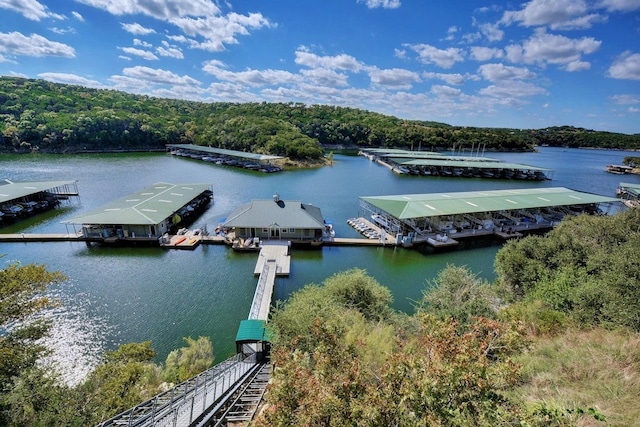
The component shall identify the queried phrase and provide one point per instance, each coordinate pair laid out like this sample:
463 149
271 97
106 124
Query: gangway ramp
274 260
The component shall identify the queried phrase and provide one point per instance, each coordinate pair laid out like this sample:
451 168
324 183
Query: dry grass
596 369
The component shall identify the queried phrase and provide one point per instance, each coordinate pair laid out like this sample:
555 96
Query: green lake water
119 295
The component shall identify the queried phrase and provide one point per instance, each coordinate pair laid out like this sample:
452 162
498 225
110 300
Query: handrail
175 402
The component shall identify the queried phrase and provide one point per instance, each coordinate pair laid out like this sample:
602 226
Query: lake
119 295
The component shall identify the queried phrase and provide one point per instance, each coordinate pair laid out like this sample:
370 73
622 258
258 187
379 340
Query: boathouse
20 200
440 218
436 164
222 156
149 213
629 193
277 219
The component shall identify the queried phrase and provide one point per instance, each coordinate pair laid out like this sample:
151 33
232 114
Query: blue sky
470 63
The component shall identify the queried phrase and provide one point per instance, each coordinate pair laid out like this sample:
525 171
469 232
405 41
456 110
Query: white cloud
492 32
249 77
545 48
72 79
30 9
216 31
137 29
483 53
138 42
337 62
77 16
158 76
501 72
626 99
144 54
159 9
325 77
386 4
445 91
513 89
620 5
450 78
626 67
62 31
34 45
396 78
170 52
444 58
556 14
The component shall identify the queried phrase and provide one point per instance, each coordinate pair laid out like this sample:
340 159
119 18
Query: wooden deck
277 251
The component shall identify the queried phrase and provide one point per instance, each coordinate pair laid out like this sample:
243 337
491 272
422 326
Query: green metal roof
436 204
477 164
283 213
631 188
225 152
252 330
16 190
149 206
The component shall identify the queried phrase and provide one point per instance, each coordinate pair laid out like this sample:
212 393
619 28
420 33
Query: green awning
252 330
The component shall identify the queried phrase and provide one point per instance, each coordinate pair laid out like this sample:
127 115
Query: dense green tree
189 361
588 267
459 294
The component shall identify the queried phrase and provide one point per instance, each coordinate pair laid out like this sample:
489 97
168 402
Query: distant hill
37 115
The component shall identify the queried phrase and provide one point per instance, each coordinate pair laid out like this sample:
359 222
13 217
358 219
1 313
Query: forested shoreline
40 116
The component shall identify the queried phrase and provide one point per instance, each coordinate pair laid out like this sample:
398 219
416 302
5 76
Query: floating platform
278 252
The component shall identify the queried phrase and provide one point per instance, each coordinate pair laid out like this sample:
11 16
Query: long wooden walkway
274 260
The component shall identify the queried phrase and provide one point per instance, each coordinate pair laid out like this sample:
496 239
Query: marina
426 163
134 292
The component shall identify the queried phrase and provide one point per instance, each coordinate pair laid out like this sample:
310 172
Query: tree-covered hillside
36 115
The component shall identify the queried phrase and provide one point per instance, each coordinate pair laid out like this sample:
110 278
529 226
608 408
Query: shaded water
119 295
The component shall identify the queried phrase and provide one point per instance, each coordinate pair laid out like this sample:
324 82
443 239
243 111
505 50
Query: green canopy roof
436 204
224 152
477 164
281 213
16 190
149 206
252 330
630 188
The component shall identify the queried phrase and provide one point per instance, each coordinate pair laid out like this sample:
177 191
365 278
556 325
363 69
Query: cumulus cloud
556 14
159 9
72 79
337 62
620 5
325 77
77 16
543 48
249 77
501 72
396 78
170 51
159 76
484 53
444 58
513 89
626 67
18 44
386 4
144 54
137 29
212 33
30 9
450 78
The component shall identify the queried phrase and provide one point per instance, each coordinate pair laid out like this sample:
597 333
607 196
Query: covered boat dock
222 156
436 164
629 193
148 214
20 200
439 219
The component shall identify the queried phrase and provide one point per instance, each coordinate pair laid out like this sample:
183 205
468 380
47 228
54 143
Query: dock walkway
274 260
